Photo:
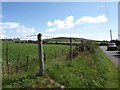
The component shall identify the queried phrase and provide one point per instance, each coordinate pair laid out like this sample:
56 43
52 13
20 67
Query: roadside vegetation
87 70
89 67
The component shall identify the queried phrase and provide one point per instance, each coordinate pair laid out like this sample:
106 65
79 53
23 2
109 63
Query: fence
27 64
23 64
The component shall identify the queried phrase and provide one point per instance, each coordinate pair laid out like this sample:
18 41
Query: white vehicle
111 47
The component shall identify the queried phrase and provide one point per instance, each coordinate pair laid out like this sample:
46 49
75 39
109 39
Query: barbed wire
43 35
34 35
27 36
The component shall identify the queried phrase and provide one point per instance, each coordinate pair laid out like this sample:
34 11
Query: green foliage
90 46
37 82
86 46
117 42
85 71
16 41
119 46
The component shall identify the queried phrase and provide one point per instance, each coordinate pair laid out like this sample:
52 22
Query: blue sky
84 19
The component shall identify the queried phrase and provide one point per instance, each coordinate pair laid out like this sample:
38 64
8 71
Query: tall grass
85 71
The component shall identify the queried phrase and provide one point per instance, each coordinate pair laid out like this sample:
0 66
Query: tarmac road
114 56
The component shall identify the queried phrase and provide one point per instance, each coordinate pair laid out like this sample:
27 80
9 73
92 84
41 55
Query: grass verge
85 71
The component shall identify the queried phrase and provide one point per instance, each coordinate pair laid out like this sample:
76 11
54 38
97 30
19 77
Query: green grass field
25 50
84 71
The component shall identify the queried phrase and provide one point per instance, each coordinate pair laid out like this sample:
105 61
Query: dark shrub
30 41
86 46
22 41
16 41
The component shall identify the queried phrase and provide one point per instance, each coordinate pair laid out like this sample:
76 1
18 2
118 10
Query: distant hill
63 39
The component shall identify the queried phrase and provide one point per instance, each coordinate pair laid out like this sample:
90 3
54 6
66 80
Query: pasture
24 50
85 70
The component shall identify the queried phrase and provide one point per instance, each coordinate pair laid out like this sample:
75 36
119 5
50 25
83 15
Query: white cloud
49 24
50 30
16 28
25 30
69 23
9 25
92 20
2 32
61 24
3 36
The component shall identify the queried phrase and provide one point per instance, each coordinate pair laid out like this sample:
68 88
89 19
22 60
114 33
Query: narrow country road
114 56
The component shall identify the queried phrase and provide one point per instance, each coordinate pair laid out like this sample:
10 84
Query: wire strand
30 36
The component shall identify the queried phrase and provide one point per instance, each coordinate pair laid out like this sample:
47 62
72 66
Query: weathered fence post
7 62
27 62
83 46
17 66
55 55
70 48
40 55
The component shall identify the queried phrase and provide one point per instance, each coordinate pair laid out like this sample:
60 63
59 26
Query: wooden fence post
70 48
83 46
55 55
40 55
27 62
17 66
7 62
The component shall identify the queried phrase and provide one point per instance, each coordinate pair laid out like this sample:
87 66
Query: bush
86 46
119 47
16 41
103 44
90 46
22 41
30 41
117 42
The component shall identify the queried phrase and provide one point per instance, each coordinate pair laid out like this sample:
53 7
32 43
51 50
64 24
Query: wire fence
26 59
23 63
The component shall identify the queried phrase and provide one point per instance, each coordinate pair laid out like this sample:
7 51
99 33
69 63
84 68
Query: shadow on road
117 55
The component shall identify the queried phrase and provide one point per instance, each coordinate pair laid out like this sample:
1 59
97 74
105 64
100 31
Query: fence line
41 57
18 64
43 35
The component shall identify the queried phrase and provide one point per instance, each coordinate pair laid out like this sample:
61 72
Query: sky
90 20
59 0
